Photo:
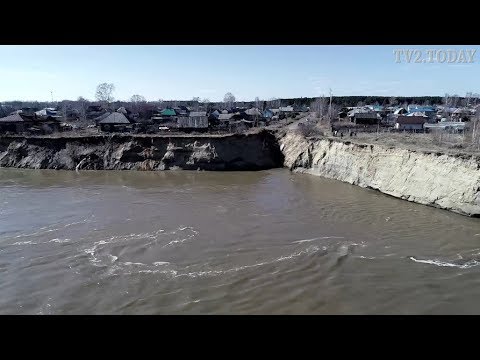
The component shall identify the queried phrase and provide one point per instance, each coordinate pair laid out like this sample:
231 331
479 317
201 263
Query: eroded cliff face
445 181
236 152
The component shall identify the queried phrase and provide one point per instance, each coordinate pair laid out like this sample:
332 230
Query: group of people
350 133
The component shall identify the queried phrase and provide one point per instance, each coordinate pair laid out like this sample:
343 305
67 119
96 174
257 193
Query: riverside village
342 116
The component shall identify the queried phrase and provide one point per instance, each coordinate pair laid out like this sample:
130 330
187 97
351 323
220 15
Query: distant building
365 118
428 111
286 109
47 113
252 114
214 114
12 123
414 123
193 122
268 113
114 122
167 112
400 111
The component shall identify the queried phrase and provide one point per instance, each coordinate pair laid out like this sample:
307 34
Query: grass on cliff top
442 142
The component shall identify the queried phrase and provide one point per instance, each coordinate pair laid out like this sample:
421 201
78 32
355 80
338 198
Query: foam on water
24 243
435 262
57 240
317 238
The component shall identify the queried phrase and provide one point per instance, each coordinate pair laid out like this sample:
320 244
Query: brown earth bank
444 179
253 151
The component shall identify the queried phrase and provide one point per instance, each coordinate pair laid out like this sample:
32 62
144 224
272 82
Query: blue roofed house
428 110
377 108
268 113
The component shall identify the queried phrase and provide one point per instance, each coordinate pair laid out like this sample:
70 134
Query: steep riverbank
254 151
447 181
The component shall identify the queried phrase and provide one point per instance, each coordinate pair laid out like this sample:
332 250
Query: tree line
104 95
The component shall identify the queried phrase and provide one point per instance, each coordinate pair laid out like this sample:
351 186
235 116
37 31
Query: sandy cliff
445 181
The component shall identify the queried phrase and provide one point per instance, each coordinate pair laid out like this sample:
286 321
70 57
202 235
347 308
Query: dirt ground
450 143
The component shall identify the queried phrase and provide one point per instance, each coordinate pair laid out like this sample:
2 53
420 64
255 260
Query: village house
410 123
28 112
12 123
225 119
214 114
286 109
197 123
462 114
168 113
114 122
400 111
252 114
365 118
47 114
268 113
197 120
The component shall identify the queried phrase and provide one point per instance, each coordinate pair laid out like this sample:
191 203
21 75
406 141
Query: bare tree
137 101
195 103
205 103
229 100
446 100
476 130
258 103
82 107
320 107
333 112
274 103
393 101
104 93
455 100
474 99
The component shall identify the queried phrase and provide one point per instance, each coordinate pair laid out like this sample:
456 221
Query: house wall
409 126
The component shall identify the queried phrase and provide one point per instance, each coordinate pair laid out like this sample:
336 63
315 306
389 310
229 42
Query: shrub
309 129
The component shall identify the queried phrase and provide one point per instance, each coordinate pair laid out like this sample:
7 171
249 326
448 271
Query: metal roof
253 112
12 118
225 116
197 113
366 115
115 118
168 112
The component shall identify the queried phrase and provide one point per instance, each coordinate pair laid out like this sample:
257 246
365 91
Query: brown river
268 242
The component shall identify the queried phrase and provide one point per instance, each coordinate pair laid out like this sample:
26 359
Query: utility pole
330 105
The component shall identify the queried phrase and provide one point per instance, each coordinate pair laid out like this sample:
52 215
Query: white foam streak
317 238
466 265
24 243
